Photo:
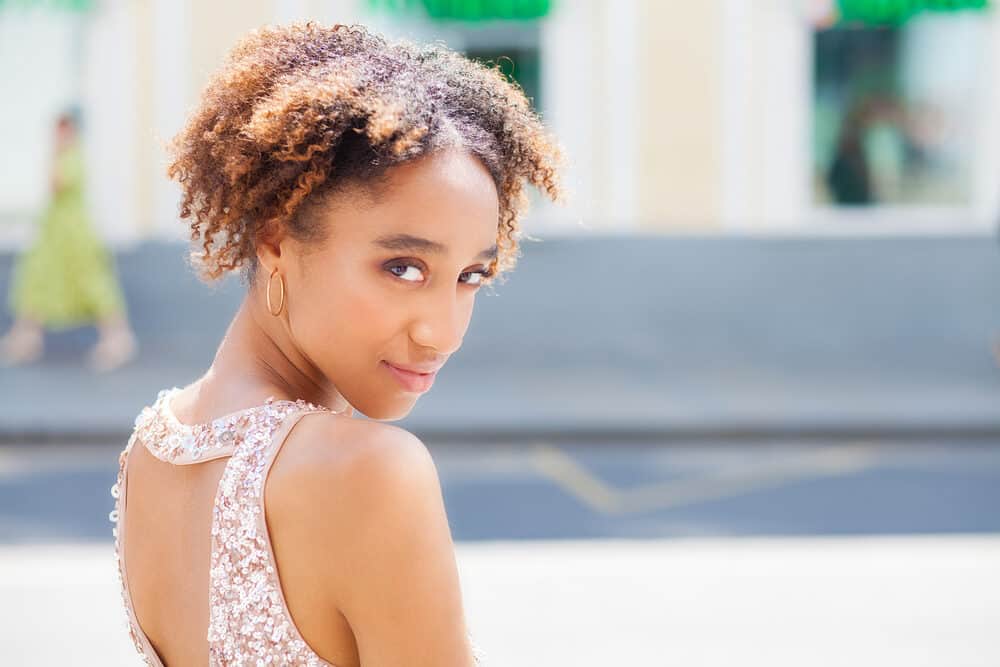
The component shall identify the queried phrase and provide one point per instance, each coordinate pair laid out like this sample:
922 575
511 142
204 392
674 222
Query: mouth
411 381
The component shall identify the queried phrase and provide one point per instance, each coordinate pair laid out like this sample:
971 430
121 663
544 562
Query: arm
390 566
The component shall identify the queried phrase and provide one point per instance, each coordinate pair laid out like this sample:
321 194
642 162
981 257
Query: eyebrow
412 243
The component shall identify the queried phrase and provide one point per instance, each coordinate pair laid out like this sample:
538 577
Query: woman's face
383 302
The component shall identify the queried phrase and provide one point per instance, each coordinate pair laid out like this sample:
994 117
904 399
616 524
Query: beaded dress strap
173 441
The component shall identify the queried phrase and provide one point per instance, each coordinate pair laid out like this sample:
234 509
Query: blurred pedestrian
849 176
66 278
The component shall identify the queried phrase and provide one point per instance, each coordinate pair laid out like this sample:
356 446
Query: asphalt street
542 490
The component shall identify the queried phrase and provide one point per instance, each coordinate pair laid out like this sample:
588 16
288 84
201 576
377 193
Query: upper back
199 575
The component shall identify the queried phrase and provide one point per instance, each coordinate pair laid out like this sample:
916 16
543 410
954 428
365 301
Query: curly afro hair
298 111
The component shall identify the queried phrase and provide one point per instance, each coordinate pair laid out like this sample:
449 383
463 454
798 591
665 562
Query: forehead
447 196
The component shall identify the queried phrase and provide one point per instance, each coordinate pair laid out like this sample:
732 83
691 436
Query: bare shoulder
328 452
361 502
333 471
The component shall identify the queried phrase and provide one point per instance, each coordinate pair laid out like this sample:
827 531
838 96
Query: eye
408 272
475 278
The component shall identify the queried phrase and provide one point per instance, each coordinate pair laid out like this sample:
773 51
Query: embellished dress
249 620
67 277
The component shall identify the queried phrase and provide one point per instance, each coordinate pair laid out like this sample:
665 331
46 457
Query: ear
269 246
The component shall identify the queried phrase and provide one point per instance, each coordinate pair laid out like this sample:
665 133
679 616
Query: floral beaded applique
174 442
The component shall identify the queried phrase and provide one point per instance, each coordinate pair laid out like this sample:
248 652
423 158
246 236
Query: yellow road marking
561 468
597 494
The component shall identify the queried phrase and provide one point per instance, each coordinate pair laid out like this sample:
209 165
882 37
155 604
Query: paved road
546 490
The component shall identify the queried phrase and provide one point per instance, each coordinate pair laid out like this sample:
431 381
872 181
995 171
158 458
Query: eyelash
485 274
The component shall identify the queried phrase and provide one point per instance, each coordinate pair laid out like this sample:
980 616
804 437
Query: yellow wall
599 196
679 106
215 28
677 157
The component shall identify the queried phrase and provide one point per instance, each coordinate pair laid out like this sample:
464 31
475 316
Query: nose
442 322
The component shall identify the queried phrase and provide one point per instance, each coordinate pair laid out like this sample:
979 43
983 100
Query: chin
389 412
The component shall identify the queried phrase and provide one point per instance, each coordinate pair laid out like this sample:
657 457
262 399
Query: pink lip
413 382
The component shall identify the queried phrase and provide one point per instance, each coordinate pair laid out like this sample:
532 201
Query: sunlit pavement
923 600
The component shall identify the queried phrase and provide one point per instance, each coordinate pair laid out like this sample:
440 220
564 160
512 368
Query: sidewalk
620 336
823 602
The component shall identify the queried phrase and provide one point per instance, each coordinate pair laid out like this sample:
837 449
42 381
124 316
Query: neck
258 358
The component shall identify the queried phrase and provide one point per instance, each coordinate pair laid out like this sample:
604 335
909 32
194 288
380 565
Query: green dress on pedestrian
67 277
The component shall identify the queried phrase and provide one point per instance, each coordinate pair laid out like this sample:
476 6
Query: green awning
58 5
895 12
468 10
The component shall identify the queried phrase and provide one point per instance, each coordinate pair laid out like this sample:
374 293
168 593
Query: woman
66 279
366 189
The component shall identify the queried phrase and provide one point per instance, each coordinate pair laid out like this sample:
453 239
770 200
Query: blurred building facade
722 116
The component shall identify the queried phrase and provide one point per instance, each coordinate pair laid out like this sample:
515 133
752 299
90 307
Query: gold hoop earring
281 303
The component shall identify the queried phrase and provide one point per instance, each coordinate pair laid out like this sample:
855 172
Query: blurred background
743 397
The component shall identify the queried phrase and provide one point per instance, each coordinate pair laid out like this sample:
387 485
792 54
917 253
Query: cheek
347 321
371 319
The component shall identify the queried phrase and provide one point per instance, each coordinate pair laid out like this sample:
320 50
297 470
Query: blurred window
519 63
505 32
895 109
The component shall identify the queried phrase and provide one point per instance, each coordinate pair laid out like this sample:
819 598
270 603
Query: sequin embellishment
115 518
249 621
